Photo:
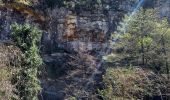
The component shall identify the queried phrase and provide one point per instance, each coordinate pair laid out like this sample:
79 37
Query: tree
27 38
139 41
137 37
162 36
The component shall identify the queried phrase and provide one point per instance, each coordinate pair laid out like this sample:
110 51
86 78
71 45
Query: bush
131 83
27 38
10 57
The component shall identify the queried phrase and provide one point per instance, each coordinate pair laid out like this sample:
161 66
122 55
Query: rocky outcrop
73 54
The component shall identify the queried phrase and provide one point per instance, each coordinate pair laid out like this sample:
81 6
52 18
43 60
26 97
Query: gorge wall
73 54
72 46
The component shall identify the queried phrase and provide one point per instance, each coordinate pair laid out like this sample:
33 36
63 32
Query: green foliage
140 37
146 41
27 38
72 98
141 40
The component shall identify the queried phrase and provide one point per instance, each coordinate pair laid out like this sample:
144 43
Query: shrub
10 58
131 83
27 38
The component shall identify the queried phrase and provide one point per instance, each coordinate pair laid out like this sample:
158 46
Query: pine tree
142 40
27 38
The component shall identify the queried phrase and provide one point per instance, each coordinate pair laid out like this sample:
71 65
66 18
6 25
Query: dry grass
131 83
6 88
10 58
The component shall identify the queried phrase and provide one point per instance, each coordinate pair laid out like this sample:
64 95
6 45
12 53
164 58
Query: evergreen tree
142 40
27 38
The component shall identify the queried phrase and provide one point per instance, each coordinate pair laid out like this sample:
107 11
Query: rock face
73 54
72 48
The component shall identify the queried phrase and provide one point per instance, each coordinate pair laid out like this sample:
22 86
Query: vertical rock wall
76 50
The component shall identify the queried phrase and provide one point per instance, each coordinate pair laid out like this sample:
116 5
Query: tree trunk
143 53
166 58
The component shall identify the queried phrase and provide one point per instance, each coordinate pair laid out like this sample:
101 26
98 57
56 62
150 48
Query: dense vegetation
27 38
139 44
143 40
